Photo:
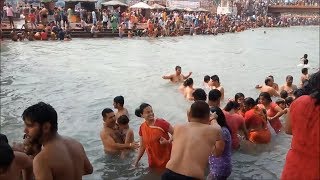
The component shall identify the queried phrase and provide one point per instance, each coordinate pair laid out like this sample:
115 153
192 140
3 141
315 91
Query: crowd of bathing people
132 23
183 151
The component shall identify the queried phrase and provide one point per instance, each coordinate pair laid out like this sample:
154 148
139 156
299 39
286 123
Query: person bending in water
268 87
216 85
111 140
289 87
118 103
186 161
60 157
12 163
177 77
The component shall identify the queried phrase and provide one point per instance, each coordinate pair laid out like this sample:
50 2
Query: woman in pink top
10 15
303 123
235 123
274 112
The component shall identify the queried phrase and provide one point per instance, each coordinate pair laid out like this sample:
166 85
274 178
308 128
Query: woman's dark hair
288 101
266 96
123 120
231 105
249 102
3 138
199 95
283 94
215 78
238 96
7 155
188 82
139 110
42 113
221 119
312 87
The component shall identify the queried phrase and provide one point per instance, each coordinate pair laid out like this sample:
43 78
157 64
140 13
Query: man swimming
61 157
177 77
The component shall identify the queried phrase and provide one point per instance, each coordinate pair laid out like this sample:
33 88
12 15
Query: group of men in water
184 150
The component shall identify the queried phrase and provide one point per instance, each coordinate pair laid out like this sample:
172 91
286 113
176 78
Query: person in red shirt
32 18
154 138
44 35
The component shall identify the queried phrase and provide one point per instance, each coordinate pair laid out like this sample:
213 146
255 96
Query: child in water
125 132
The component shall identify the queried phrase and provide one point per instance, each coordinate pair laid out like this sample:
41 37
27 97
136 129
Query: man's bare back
192 144
20 163
269 90
61 158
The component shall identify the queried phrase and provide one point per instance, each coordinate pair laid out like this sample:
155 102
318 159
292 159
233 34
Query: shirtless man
13 163
304 77
289 87
214 98
272 84
60 157
177 77
186 161
216 85
109 134
268 88
118 103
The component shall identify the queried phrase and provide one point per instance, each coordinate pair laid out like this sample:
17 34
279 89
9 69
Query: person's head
304 71
281 103
145 111
123 122
188 82
206 78
215 79
108 117
249 103
178 70
289 80
6 157
272 78
118 102
283 94
312 87
239 98
214 95
232 105
40 120
3 138
265 98
288 101
221 119
268 81
199 94
305 56
199 112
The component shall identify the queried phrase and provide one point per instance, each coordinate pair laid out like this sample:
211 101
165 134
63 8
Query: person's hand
134 145
163 141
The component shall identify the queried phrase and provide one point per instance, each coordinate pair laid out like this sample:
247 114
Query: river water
80 78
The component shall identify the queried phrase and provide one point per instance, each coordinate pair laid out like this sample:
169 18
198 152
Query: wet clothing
303 157
234 121
275 123
170 175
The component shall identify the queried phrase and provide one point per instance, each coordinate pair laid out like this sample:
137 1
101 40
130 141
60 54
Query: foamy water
81 77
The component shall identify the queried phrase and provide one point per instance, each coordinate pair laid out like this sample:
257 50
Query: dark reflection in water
81 77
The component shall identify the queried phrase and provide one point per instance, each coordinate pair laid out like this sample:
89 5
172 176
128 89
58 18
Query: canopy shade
141 5
157 6
113 3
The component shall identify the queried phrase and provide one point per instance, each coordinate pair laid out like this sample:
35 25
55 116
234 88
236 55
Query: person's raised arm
41 170
186 77
140 152
167 77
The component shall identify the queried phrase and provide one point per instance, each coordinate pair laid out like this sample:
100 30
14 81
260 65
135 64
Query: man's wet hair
305 55
123 120
214 95
105 112
200 110
199 95
215 78
188 82
177 67
3 138
283 94
206 78
289 77
267 80
304 70
42 113
119 100
231 105
6 156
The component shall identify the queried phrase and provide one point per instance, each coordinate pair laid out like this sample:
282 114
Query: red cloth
44 35
234 122
275 123
303 159
32 17
158 154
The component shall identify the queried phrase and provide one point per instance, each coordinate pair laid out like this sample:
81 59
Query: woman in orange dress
154 138
255 120
303 122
